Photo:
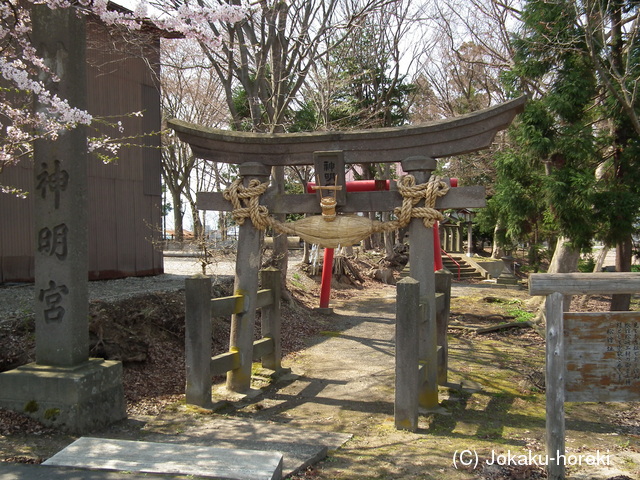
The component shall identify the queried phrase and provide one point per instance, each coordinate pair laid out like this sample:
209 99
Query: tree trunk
624 254
388 237
222 225
596 268
306 253
198 228
564 260
601 258
177 216
497 251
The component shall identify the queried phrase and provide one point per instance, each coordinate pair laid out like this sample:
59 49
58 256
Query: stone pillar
407 374
60 210
64 387
271 318
443 286
422 270
458 239
246 284
197 341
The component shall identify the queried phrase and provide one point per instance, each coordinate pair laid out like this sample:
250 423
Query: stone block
169 458
75 399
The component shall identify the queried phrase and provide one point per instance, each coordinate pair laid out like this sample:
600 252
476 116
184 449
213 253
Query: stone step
463 267
170 458
465 270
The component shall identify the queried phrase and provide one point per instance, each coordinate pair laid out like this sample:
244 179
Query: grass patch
329 333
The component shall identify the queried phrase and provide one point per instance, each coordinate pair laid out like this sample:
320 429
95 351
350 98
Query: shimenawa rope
245 201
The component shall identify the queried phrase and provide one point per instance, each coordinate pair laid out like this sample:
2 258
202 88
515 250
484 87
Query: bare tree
267 58
611 33
191 92
469 46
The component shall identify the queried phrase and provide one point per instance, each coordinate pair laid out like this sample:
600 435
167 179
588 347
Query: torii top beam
464 134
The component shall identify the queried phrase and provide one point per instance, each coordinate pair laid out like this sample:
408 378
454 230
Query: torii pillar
246 284
421 269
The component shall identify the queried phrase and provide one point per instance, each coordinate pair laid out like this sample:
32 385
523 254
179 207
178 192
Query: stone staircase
466 270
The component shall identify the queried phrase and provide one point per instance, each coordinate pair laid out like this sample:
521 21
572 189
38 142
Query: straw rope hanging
342 230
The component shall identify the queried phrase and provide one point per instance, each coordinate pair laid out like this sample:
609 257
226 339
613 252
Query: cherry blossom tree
24 75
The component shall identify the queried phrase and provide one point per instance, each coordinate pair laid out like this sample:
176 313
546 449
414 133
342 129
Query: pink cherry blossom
23 69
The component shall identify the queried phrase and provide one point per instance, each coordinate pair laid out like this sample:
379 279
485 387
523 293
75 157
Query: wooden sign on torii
416 147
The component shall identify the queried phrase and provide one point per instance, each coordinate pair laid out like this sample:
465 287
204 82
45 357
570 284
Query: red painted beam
359 186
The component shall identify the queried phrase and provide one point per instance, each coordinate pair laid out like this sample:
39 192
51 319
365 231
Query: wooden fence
200 308
591 356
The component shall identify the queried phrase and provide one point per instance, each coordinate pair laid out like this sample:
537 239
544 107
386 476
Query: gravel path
16 300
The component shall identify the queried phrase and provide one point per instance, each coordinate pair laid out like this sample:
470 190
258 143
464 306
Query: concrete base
75 399
324 311
129 456
507 279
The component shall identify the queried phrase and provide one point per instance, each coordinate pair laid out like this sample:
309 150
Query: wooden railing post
555 385
198 331
407 372
271 318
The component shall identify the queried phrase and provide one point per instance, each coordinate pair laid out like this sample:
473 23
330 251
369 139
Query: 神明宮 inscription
55 181
602 356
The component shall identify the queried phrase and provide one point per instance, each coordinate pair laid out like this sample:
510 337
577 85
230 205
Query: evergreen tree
577 126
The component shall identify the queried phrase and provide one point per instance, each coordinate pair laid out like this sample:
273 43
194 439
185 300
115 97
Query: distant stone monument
508 277
64 387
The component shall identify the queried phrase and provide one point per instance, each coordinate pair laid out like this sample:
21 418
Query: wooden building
124 198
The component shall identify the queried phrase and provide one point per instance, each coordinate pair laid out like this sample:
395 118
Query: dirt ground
345 368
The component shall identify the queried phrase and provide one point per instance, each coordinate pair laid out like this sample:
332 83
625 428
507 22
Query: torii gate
416 147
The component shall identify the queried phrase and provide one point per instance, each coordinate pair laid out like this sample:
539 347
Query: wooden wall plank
125 226
602 356
104 233
17 237
116 87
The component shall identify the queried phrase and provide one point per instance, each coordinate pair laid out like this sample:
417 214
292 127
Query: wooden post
421 268
555 380
271 318
246 284
407 373
197 342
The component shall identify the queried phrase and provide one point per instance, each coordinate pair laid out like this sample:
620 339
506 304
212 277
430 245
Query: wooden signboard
602 356
590 357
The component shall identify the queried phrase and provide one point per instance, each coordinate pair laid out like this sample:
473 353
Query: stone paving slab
300 447
22 471
149 457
